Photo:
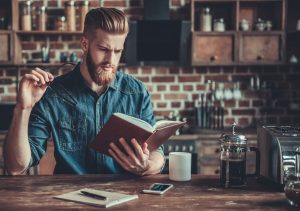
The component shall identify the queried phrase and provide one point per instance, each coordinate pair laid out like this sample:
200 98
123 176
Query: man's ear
84 44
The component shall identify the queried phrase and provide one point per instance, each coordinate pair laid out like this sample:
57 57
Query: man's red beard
98 73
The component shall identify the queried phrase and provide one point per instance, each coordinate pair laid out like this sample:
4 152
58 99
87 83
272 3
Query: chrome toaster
279 148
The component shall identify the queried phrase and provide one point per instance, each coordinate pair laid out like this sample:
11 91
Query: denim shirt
72 114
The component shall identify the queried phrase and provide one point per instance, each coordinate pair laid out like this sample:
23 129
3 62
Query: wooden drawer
260 48
212 49
5 40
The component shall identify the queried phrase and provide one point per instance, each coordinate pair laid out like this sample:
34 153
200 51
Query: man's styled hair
110 20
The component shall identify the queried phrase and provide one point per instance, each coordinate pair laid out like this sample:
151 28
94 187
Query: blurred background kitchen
209 62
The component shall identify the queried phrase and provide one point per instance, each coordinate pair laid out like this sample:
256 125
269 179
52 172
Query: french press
233 159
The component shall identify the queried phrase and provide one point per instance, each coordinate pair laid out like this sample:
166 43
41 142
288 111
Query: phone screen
159 187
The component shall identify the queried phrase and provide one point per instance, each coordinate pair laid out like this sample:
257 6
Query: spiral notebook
113 198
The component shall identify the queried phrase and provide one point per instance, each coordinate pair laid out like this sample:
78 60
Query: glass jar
219 25
205 20
292 190
26 16
83 11
41 18
71 15
61 23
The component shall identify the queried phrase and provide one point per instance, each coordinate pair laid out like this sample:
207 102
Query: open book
112 198
128 127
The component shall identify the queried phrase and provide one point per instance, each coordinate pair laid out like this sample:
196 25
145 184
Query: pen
93 195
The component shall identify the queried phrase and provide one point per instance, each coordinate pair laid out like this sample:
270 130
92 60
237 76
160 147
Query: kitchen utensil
233 159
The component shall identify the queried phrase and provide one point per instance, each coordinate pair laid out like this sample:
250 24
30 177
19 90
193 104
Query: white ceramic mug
180 166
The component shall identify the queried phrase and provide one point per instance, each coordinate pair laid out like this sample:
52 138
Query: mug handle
257 161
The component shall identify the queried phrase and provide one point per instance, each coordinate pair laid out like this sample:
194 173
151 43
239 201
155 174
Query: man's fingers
123 164
31 77
40 76
137 148
128 149
43 73
120 155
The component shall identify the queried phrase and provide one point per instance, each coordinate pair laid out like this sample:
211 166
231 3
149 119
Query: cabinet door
212 49
5 47
260 49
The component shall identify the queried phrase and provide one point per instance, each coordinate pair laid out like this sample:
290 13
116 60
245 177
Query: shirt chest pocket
72 134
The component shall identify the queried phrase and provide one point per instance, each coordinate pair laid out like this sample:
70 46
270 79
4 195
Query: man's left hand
137 161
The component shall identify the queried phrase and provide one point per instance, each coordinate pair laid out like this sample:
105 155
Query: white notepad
113 198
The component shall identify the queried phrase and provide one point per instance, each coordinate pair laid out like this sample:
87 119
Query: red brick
143 79
136 11
257 103
94 4
119 3
161 70
150 88
25 71
9 98
189 104
174 70
56 46
229 121
6 81
201 70
2 72
251 94
54 38
195 96
243 122
161 88
132 70
176 96
216 77
163 79
11 72
243 112
244 103
161 105
29 46
230 103
186 70
52 3
146 70
175 104
176 3
75 45
189 78
174 88
188 88
162 113
214 69
156 97
11 90
1 90
201 87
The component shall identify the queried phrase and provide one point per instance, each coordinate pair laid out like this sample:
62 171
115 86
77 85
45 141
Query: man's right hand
32 87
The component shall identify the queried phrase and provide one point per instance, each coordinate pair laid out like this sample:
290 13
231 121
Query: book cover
128 127
113 198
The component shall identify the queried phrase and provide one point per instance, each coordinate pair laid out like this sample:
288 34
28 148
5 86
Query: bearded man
75 106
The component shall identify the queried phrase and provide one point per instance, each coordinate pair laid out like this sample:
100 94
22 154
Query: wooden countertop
201 193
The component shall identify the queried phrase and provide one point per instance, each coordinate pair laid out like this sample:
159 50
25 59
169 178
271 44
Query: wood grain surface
201 193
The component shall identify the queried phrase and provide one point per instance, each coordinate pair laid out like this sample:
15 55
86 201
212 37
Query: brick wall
177 88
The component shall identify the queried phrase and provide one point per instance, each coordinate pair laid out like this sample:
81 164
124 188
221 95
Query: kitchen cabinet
271 37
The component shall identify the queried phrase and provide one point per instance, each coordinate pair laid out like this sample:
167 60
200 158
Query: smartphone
158 188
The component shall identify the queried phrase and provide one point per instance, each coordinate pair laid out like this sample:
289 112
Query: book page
113 198
136 121
163 123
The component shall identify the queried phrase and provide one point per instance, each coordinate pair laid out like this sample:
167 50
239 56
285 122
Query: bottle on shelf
205 20
71 15
26 16
83 11
41 18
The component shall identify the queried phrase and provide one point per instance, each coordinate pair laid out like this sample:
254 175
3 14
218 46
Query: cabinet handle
217 151
217 171
213 58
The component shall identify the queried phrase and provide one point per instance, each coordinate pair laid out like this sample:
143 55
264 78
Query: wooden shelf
50 32
214 33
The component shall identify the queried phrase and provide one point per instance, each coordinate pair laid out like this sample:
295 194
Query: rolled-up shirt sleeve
38 133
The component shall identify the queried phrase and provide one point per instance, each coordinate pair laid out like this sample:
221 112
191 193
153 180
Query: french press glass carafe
233 159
